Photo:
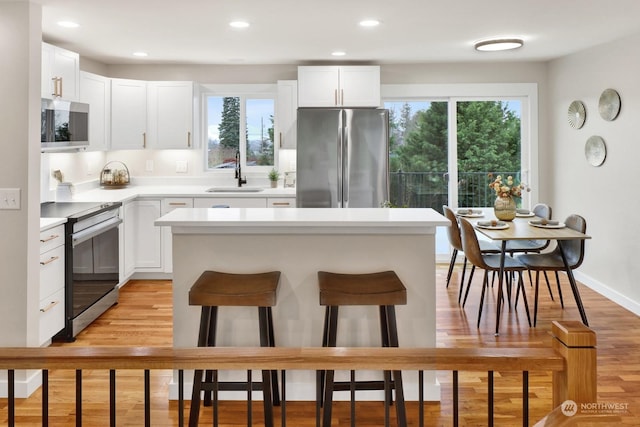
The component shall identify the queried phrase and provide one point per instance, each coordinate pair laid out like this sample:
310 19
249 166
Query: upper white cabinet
128 114
170 114
286 113
95 90
60 73
339 86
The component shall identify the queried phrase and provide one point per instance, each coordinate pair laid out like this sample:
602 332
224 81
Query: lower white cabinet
232 202
51 292
142 239
168 205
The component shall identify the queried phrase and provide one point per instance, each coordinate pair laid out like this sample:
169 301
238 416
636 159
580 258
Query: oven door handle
91 232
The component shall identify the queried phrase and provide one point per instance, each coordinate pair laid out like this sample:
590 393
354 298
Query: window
240 122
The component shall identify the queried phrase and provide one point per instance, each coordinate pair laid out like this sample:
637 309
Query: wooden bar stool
212 290
383 289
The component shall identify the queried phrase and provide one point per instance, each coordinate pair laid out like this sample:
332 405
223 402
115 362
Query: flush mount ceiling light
239 24
68 24
369 23
140 54
338 53
494 45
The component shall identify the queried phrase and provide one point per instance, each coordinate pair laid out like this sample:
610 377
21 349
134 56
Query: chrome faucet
239 170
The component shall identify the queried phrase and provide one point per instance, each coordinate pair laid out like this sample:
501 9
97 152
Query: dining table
526 227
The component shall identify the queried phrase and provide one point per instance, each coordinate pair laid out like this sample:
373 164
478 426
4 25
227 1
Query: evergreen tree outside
229 127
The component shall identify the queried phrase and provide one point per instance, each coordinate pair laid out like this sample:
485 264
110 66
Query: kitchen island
299 243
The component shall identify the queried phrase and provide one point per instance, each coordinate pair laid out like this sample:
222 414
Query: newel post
577 345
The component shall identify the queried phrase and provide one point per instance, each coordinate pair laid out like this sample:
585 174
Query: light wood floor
144 318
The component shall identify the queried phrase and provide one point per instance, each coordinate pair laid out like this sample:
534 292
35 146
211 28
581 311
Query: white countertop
46 223
133 191
303 220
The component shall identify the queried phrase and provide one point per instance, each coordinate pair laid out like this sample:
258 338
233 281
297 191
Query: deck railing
571 358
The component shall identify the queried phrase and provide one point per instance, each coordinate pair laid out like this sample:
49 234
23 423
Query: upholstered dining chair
453 233
552 261
489 262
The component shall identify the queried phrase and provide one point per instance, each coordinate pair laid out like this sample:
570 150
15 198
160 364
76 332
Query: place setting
524 213
470 213
546 223
492 225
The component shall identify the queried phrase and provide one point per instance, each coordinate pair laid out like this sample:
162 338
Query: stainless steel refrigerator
342 158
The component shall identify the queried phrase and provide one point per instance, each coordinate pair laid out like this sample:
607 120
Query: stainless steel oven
92 261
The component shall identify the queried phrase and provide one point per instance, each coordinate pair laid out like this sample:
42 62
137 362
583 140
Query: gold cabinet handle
177 204
335 96
144 140
189 139
50 238
341 96
49 306
60 91
280 139
49 261
281 204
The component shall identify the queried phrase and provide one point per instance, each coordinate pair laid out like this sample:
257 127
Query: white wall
607 196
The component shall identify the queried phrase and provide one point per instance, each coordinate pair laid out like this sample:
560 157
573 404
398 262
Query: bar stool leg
274 374
266 375
203 334
401 414
212 317
328 386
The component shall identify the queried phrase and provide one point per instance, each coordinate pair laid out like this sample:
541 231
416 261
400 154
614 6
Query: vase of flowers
504 207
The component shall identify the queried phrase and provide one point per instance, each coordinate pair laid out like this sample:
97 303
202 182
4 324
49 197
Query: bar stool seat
215 289
384 289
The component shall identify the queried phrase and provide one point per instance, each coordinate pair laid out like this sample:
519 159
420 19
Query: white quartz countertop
133 191
303 220
46 223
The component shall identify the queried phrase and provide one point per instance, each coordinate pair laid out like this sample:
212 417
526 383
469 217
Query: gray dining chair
489 262
552 261
453 233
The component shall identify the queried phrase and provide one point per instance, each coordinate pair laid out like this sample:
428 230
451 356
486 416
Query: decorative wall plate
595 151
576 114
609 104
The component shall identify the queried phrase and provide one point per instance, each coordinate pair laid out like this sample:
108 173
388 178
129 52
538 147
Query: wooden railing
572 359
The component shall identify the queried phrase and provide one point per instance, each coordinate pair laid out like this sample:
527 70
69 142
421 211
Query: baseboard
26 382
607 292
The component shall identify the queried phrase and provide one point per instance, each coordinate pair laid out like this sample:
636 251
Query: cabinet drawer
284 202
51 316
172 203
51 271
232 202
51 238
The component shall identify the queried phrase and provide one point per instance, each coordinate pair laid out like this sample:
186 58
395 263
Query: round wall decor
576 114
609 104
595 151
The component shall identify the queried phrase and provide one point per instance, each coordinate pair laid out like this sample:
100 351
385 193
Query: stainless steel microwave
64 125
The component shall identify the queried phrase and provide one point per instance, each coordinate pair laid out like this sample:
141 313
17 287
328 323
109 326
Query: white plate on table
500 226
525 215
559 225
473 214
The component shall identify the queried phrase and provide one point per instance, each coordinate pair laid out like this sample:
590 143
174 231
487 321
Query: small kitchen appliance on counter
114 174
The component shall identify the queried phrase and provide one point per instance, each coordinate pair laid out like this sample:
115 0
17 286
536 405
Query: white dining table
520 229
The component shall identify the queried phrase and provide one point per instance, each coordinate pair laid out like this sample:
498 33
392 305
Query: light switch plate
9 198
181 166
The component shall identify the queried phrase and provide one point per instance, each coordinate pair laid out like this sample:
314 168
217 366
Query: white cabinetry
286 113
60 73
142 239
170 114
168 205
232 202
128 114
339 86
95 90
51 295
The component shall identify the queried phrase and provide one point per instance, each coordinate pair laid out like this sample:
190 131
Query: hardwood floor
144 318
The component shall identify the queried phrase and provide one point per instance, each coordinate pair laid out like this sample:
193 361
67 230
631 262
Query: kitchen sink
234 190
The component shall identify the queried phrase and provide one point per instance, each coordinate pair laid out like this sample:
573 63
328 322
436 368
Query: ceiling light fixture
140 54
494 45
239 24
369 23
338 53
68 24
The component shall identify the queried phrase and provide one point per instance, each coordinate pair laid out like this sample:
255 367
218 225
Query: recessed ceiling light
68 24
369 23
140 54
239 24
498 44
338 53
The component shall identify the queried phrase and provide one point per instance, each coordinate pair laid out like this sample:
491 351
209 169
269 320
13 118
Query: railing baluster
11 396
147 398
180 398
490 399
283 402
78 398
45 398
455 399
421 398
112 397
525 398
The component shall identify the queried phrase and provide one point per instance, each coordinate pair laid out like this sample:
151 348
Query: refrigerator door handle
340 165
346 166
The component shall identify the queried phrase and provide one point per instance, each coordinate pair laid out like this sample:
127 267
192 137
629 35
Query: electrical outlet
181 166
9 198
149 166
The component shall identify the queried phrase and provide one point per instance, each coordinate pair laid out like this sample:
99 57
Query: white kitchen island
299 243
